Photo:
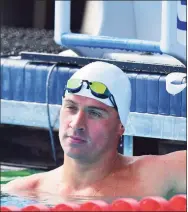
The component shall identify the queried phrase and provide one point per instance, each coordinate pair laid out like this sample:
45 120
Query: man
92 120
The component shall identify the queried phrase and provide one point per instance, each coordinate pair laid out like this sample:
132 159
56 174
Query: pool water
11 173
8 174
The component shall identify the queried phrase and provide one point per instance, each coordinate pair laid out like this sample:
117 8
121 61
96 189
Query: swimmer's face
88 128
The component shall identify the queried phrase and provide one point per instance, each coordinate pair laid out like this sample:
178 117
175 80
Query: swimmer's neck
80 175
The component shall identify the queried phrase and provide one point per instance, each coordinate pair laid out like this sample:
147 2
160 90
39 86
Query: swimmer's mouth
77 139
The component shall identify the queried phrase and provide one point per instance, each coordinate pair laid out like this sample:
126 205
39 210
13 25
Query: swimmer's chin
77 157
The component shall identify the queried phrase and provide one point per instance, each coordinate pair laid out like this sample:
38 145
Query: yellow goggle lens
73 83
98 87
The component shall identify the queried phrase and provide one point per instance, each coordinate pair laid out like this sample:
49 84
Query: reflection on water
10 200
27 198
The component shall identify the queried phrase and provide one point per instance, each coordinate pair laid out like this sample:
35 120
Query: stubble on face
101 134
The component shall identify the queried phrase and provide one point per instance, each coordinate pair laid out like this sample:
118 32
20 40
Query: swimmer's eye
72 108
94 114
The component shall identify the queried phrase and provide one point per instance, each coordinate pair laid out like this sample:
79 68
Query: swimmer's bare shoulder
175 165
169 169
23 183
31 182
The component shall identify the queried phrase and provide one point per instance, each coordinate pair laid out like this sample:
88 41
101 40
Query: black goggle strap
111 97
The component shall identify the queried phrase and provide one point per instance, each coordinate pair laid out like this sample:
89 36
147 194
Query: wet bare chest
134 186
119 185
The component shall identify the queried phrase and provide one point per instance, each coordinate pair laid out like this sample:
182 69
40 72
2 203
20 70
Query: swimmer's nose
78 121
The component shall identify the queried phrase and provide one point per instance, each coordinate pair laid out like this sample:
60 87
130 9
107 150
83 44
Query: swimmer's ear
121 129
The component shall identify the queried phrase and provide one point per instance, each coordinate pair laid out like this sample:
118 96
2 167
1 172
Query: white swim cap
114 78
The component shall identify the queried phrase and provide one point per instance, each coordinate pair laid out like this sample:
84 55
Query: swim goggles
98 89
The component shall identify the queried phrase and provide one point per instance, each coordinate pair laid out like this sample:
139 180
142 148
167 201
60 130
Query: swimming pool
51 201
8 174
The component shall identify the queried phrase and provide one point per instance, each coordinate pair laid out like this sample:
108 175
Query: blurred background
29 25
